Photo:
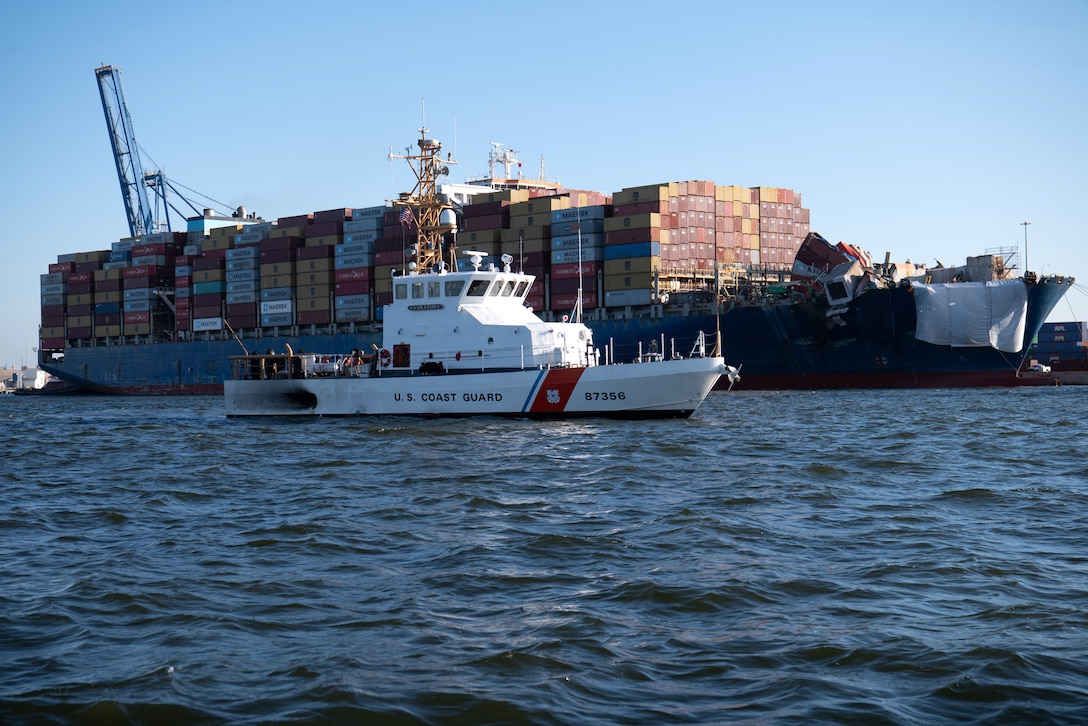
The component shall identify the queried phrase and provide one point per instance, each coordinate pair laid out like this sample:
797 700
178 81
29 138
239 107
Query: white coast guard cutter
459 343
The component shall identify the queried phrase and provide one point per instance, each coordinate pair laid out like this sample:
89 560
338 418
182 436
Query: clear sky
927 129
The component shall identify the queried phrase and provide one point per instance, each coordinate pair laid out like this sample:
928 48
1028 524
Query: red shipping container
313 317
207 300
332 215
312 253
299 220
184 281
77 333
142 316
64 267
354 287
80 288
204 262
325 229
183 303
560 303
79 310
51 344
276 256
79 277
279 243
587 269
88 266
238 310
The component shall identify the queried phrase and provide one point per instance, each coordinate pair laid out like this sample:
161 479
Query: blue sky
927 129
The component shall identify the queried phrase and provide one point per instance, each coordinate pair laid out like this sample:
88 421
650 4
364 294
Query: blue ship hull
777 346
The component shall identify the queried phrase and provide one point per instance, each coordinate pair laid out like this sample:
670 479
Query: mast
424 203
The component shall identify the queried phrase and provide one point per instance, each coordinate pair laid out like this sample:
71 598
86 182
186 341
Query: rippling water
861 556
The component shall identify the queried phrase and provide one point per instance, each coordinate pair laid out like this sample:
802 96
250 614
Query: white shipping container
352 301
273 307
352 315
51 278
277 293
622 298
208 324
368 213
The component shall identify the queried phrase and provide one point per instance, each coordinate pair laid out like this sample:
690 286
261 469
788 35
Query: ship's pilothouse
443 321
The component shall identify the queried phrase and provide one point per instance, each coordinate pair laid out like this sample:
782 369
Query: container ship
649 268
653 266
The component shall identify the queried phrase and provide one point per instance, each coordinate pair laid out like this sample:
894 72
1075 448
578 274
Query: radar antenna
423 203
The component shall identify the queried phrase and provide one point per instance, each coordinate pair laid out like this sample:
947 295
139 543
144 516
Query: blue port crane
126 155
135 182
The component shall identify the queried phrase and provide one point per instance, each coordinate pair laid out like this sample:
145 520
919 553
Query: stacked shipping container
336 266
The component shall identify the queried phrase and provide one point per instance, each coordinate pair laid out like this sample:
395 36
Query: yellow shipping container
525 221
632 265
311 290
80 299
97 256
271 281
310 304
509 195
383 284
53 332
631 281
746 225
634 221
225 232
107 297
768 194
217 243
534 234
540 206
287 232
650 193
137 328
483 236
108 331
103 275
325 264
309 279
277 268
216 275
511 245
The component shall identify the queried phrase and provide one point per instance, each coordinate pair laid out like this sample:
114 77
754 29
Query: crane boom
130 171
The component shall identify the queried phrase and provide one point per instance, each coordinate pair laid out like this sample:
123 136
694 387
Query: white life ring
385 358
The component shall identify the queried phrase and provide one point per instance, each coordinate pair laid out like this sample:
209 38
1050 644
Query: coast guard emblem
553 396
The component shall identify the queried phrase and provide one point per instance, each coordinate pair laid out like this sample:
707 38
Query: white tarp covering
972 314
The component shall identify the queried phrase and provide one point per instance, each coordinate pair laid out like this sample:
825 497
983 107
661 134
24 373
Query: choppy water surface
865 556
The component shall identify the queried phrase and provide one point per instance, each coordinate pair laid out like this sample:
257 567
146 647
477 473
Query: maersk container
245 263
573 242
352 315
139 293
352 302
207 324
356 260
242 275
234 298
586 254
243 286
377 212
354 248
272 307
277 293
243 253
578 213
274 320
364 237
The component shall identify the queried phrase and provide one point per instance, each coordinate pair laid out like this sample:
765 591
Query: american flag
406 216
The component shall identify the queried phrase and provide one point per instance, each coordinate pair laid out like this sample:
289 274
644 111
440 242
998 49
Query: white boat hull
660 389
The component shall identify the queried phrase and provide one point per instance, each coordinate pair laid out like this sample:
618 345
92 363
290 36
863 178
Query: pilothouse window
434 289
477 288
454 288
401 291
523 287
496 287
417 290
508 288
